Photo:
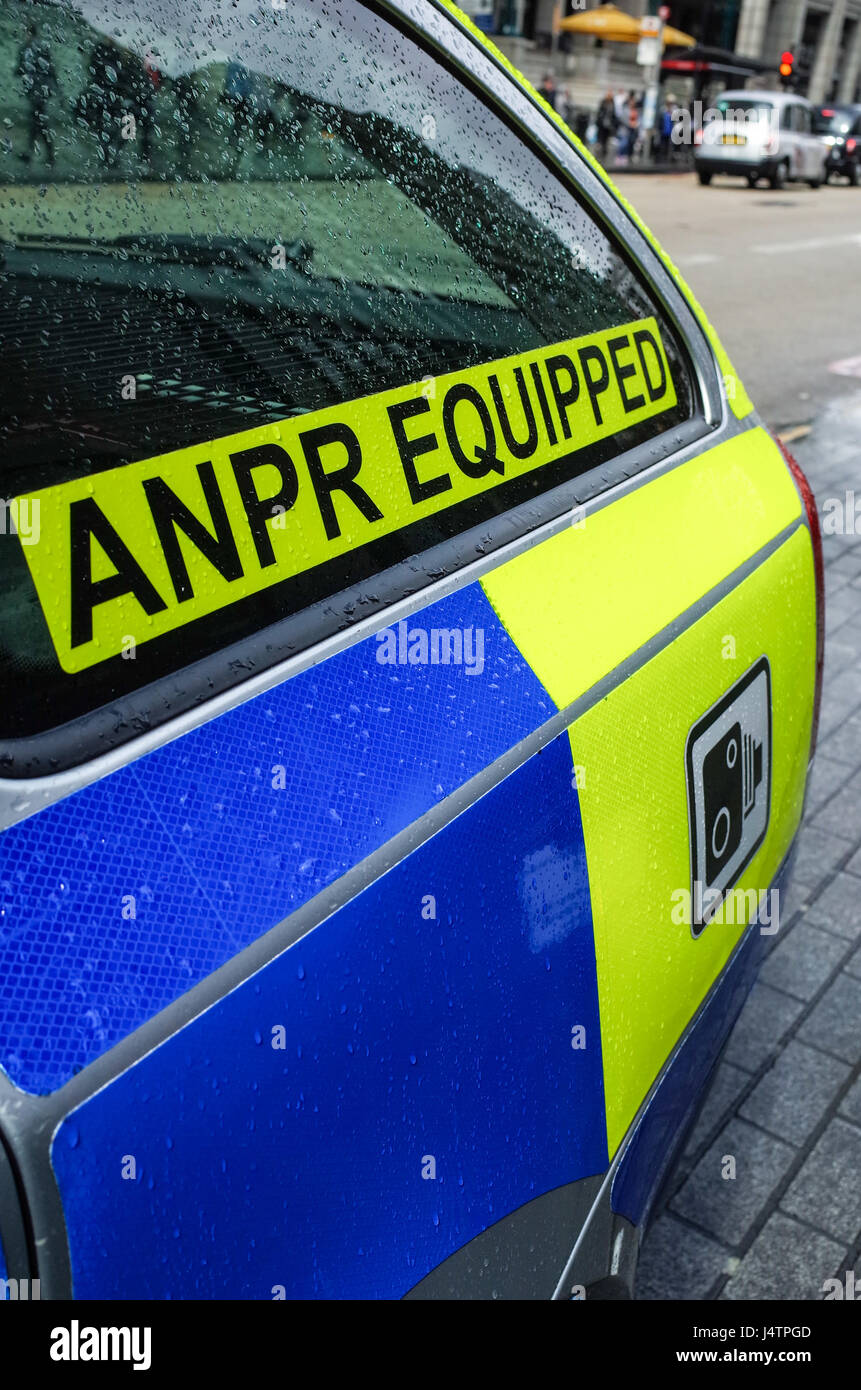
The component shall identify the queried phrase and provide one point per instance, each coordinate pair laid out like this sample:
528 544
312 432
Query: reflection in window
218 217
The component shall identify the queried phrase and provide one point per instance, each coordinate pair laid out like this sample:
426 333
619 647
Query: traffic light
786 66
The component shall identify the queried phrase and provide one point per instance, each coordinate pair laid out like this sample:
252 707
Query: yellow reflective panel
589 597
629 752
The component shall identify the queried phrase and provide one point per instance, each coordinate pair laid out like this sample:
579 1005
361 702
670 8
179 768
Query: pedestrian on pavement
606 122
188 110
109 95
548 89
665 130
40 80
631 128
146 80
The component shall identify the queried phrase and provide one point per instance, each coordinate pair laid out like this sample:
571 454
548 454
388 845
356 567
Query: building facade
824 37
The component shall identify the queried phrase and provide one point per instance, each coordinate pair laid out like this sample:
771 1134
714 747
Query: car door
813 152
797 151
409 621
852 143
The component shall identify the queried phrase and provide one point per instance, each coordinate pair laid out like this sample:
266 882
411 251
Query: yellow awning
611 23
675 38
605 22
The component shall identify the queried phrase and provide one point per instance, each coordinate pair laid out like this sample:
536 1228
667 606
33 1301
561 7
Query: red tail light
850 145
809 501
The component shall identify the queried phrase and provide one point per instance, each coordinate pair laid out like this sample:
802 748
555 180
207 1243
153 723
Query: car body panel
529 903
662 1125
408 1040
523 611
451 890
631 895
702 529
214 855
652 973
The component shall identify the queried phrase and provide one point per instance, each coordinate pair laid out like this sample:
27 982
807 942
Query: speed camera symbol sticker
728 760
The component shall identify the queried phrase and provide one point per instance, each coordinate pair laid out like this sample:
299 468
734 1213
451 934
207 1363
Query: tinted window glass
801 119
728 106
226 221
833 121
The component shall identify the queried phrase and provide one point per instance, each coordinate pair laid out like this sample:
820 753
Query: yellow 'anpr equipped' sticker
144 549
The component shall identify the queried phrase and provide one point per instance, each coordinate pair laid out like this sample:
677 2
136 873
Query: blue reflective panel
221 834
413 1044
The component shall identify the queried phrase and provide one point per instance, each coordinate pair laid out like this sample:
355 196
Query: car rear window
285 305
743 106
830 121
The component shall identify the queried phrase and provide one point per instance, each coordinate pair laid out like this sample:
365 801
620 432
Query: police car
411 653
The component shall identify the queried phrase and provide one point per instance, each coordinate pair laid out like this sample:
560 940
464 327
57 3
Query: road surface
779 274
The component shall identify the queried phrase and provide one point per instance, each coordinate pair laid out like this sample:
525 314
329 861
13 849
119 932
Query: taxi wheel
815 183
704 176
852 175
778 178
752 180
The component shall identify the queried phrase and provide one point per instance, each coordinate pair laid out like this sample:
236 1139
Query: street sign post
652 45
648 50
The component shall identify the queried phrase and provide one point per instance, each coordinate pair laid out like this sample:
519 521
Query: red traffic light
787 58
